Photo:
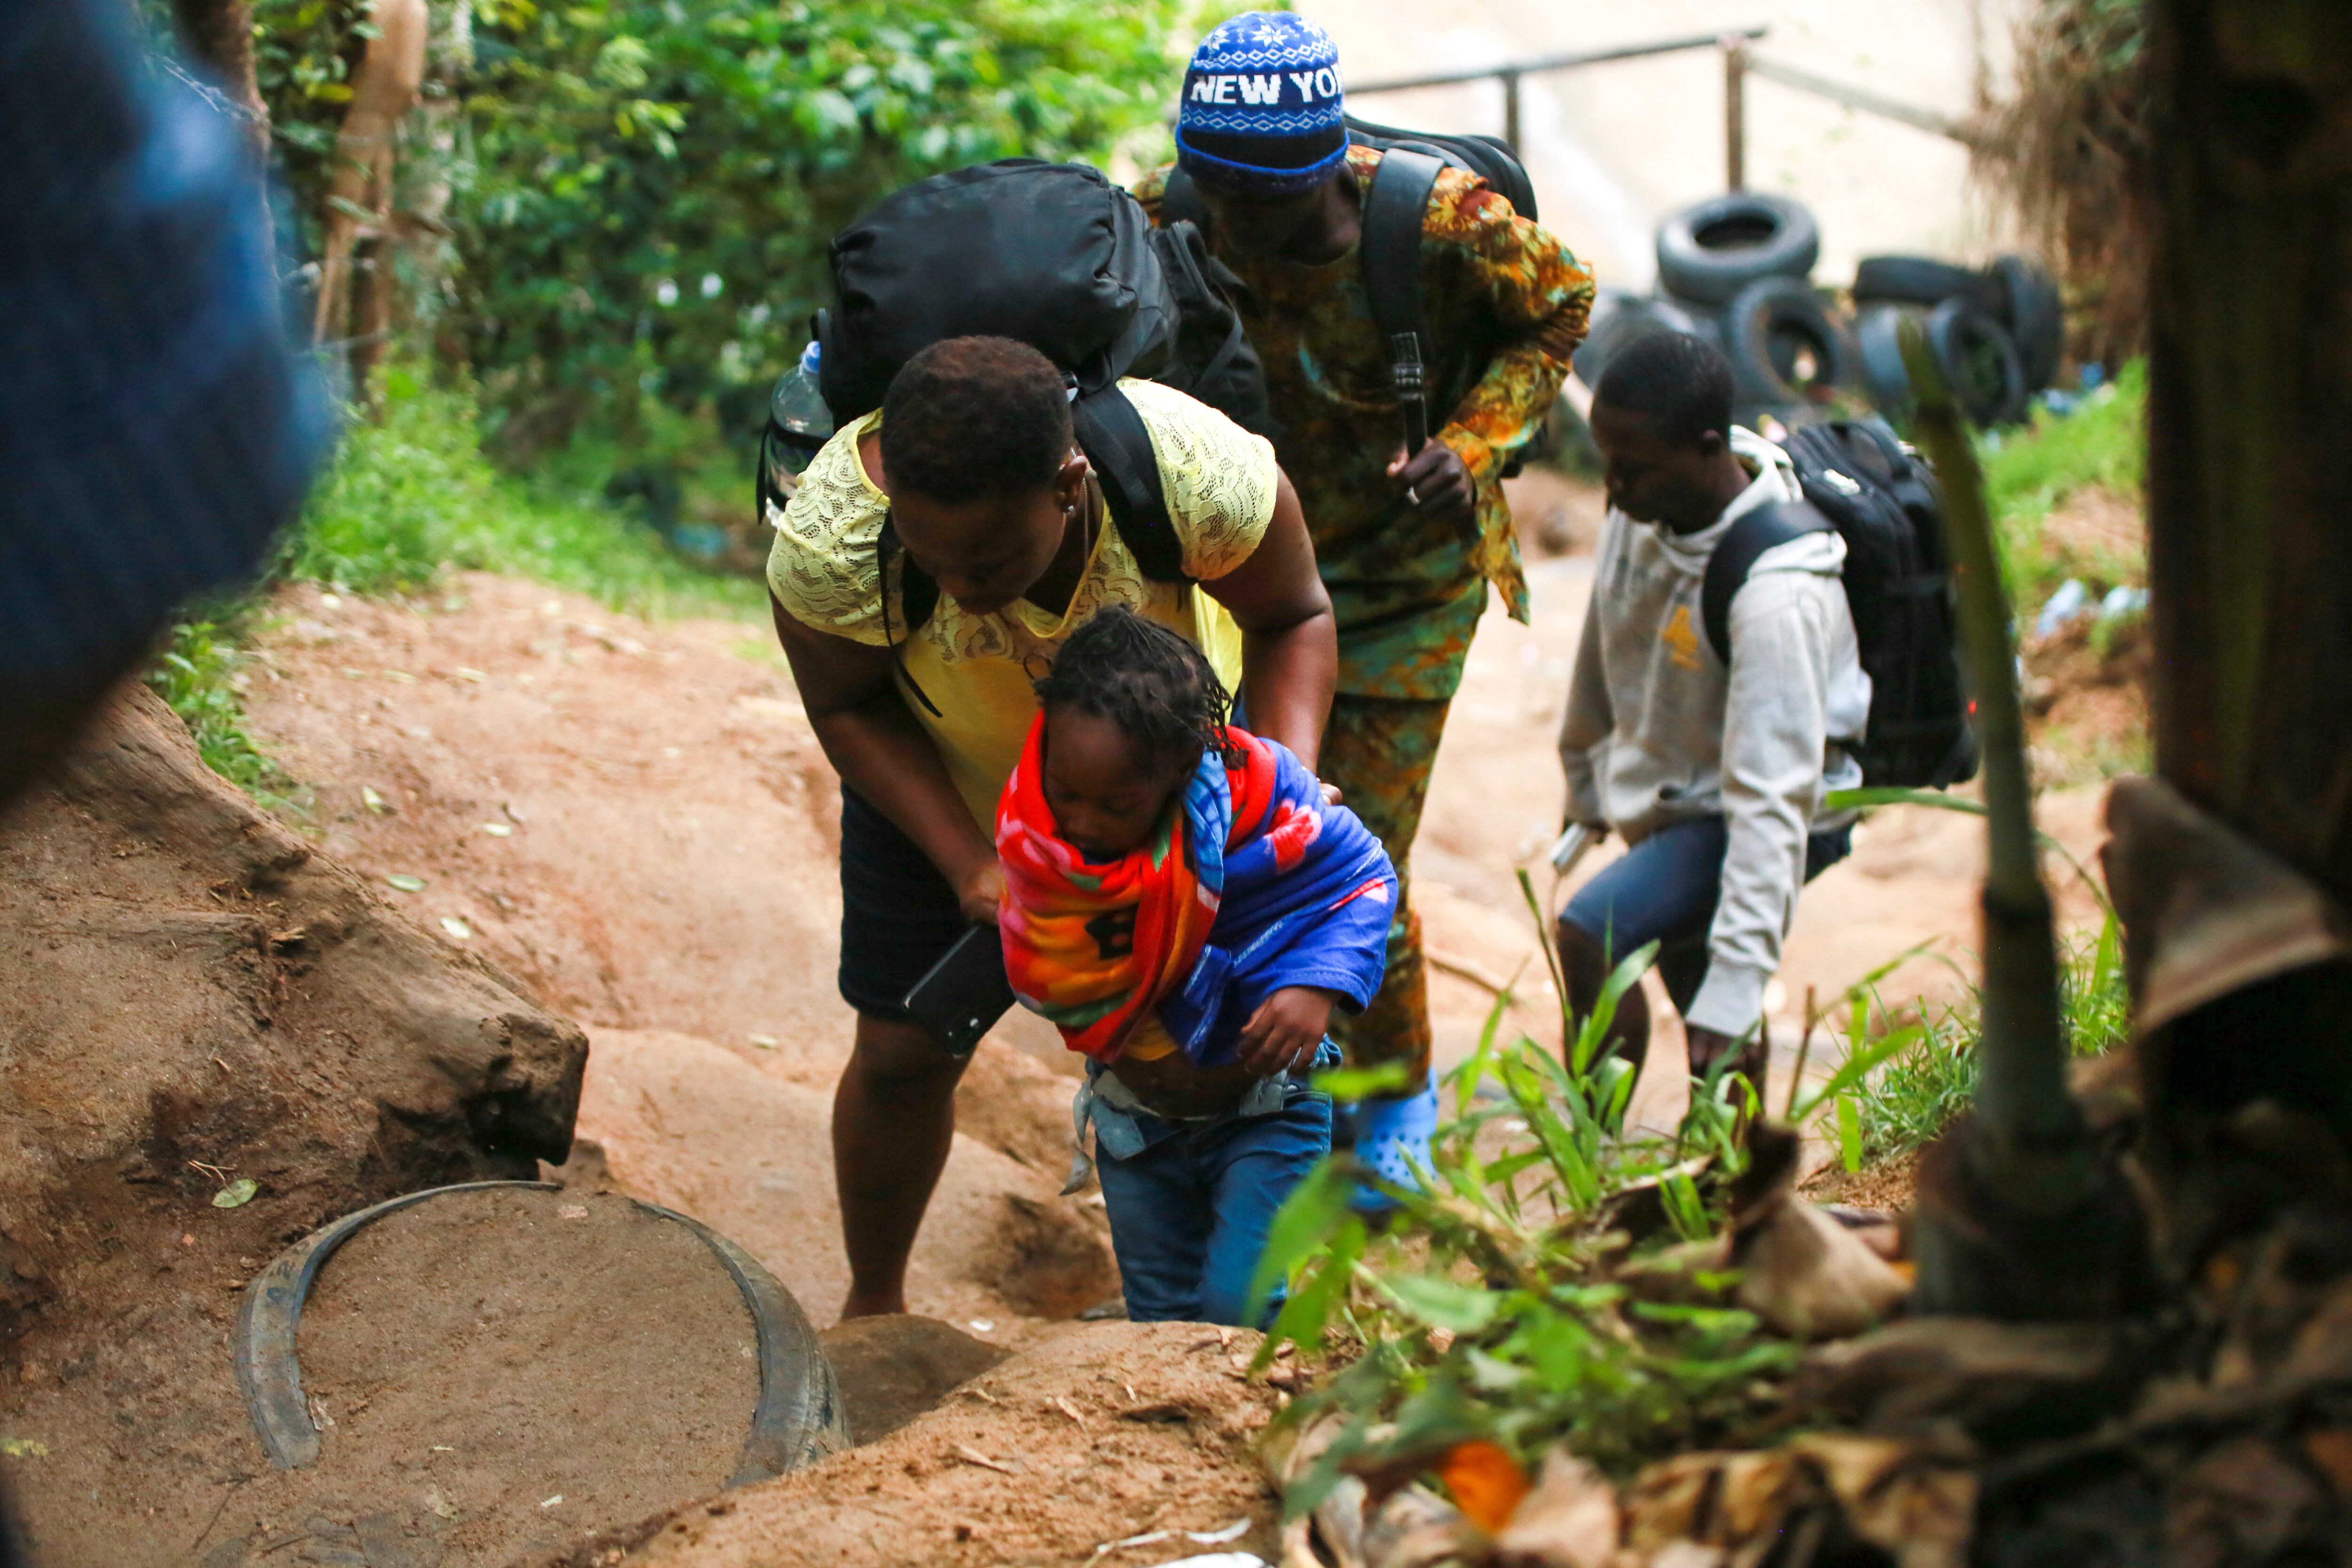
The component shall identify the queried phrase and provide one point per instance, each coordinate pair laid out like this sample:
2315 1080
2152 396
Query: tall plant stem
2022 1099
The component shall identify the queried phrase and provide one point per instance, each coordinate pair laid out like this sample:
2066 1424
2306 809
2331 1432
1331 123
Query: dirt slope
695 1128
1097 1433
195 994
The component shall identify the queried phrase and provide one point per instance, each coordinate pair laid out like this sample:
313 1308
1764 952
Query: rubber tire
1780 308
1968 341
2035 314
1618 318
1706 252
1878 334
1921 280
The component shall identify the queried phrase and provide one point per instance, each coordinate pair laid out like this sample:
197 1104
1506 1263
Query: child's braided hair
1158 688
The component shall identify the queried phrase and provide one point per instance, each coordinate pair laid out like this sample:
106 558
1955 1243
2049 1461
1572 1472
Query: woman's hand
1283 1034
980 890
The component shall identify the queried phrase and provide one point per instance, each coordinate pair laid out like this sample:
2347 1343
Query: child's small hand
1284 1031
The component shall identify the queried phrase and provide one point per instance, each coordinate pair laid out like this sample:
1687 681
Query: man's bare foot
877 1304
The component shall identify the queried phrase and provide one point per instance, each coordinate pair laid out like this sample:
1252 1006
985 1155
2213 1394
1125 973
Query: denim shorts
898 915
1665 890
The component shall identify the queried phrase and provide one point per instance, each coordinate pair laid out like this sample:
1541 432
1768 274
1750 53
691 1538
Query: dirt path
635 820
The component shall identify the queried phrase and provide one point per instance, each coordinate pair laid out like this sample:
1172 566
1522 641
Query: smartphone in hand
965 993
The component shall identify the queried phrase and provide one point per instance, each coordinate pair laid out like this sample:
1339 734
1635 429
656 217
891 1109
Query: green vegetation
623 206
406 500
1913 1095
1502 1305
200 674
414 495
2030 474
1484 1312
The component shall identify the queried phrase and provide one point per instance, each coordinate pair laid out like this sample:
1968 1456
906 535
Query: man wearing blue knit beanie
1407 542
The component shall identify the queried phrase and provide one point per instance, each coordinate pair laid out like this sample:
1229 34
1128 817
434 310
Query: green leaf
1308 1218
1857 1068
1352 1084
1441 1303
237 1194
1862 799
1849 1131
405 882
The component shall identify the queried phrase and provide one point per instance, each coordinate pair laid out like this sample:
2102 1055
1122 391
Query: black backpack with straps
1396 206
1055 255
1864 483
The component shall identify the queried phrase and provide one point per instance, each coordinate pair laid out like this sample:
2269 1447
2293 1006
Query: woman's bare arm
849 689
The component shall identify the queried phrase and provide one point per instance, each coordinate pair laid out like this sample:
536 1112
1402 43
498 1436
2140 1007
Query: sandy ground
1614 148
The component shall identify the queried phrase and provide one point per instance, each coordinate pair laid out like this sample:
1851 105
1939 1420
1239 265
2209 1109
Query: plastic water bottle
799 424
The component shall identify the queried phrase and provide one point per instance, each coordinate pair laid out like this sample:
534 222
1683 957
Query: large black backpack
1395 209
1883 502
1055 255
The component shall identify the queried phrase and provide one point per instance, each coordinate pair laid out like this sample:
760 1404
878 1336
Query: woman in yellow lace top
973 466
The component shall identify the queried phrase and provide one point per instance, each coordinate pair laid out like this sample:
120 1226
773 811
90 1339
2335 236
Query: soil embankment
199 1004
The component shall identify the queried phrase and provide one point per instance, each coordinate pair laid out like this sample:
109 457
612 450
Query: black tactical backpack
1055 255
1860 480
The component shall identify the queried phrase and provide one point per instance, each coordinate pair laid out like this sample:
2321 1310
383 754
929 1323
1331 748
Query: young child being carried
1184 903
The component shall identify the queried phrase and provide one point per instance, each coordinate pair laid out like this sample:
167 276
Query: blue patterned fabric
1272 81
1308 898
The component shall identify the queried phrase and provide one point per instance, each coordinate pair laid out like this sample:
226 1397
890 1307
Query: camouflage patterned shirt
1507 305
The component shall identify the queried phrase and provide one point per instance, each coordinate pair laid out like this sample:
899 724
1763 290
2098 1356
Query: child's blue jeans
1189 1210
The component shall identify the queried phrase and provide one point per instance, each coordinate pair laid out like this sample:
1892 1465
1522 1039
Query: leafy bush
654 182
1483 1312
1495 1306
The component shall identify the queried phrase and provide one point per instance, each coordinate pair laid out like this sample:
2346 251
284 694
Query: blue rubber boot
1391 1136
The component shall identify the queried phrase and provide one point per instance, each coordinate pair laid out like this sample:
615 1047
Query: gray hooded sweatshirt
1659 732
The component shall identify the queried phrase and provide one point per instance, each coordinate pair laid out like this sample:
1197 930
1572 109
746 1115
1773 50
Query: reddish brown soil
1096 1434
194 997
505 1370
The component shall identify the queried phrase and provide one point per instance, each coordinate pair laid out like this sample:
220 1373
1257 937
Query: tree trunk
220 34
359 201
2250 466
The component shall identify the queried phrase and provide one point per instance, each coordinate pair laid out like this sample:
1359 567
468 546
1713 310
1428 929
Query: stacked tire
1998 333
1736 270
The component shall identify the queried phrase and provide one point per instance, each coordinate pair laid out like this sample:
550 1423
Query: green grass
413 497
1909 1099
408 500
2031 473
199 673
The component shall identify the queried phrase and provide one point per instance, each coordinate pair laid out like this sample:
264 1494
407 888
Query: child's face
1106 795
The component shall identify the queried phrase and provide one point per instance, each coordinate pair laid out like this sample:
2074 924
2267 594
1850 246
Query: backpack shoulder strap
1395 209
1766 528
1111 434
1179 202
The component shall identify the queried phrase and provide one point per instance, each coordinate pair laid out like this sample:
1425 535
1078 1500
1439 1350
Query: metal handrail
1509 74
1739 61
1559 62
1860 98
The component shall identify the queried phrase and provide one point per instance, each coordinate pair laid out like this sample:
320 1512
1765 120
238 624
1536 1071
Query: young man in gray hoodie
1712 771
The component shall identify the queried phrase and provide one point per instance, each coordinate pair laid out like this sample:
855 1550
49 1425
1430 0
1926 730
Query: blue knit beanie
1263 112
